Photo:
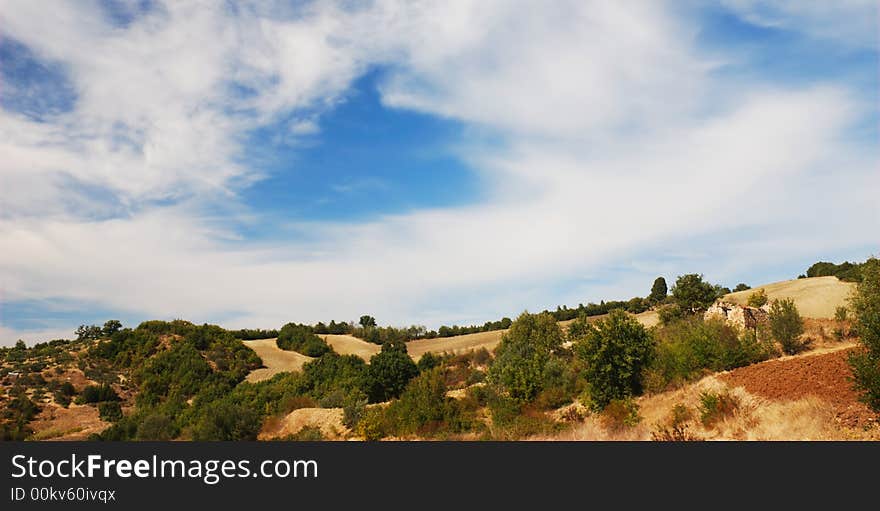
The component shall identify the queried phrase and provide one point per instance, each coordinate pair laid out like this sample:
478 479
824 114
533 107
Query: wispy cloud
852 22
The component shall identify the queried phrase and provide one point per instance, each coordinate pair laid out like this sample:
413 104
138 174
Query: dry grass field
328 420
76 422
455 344
275 359
350 345
816 297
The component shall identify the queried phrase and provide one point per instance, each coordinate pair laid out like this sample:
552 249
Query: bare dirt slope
350 345
816 297
802 397
823 375
275 359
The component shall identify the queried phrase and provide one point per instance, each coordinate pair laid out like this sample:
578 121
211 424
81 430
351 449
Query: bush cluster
301 338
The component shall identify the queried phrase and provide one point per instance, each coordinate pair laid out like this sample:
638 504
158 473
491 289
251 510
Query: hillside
274 359
803 397
178 380
816 297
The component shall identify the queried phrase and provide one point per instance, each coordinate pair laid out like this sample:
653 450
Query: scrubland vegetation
175 380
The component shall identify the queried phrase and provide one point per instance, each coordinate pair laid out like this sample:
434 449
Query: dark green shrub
372 425
670 313
615 352
716 407
353 409
482 356
865 305
846 271
348 373
423 408
306 434
688 348
300 338
758 298
502 409
97 394
389 372
786 326
693 294
334 399
64 393
524 351
658 290
110 411
475 377
227 420
156 426
429 361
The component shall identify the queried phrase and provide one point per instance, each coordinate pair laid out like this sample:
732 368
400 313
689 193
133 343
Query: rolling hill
816 297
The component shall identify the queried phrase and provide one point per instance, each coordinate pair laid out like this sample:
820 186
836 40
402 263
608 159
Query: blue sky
427 164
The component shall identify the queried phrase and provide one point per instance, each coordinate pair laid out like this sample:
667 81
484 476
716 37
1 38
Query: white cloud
609 155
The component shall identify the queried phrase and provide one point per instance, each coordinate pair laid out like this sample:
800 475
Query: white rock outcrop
742 316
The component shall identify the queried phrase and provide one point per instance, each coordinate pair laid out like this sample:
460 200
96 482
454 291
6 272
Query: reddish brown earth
826 376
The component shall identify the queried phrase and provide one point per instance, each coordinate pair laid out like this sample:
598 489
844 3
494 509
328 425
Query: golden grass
816 297
76 422
350 345
274 358
328 420
456 344
647 319
52 434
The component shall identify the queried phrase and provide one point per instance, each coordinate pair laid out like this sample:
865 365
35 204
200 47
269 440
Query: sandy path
275 359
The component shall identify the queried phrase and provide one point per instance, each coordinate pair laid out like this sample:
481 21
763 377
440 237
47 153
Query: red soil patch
826 376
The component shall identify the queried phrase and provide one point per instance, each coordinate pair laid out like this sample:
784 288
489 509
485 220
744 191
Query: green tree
367 321
88 332
615 352
110 411
786 325
741 287
224 420
692 293
865 306
670 313
389 372
111 327
300 338
429 361
658 290
758 298
523 354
